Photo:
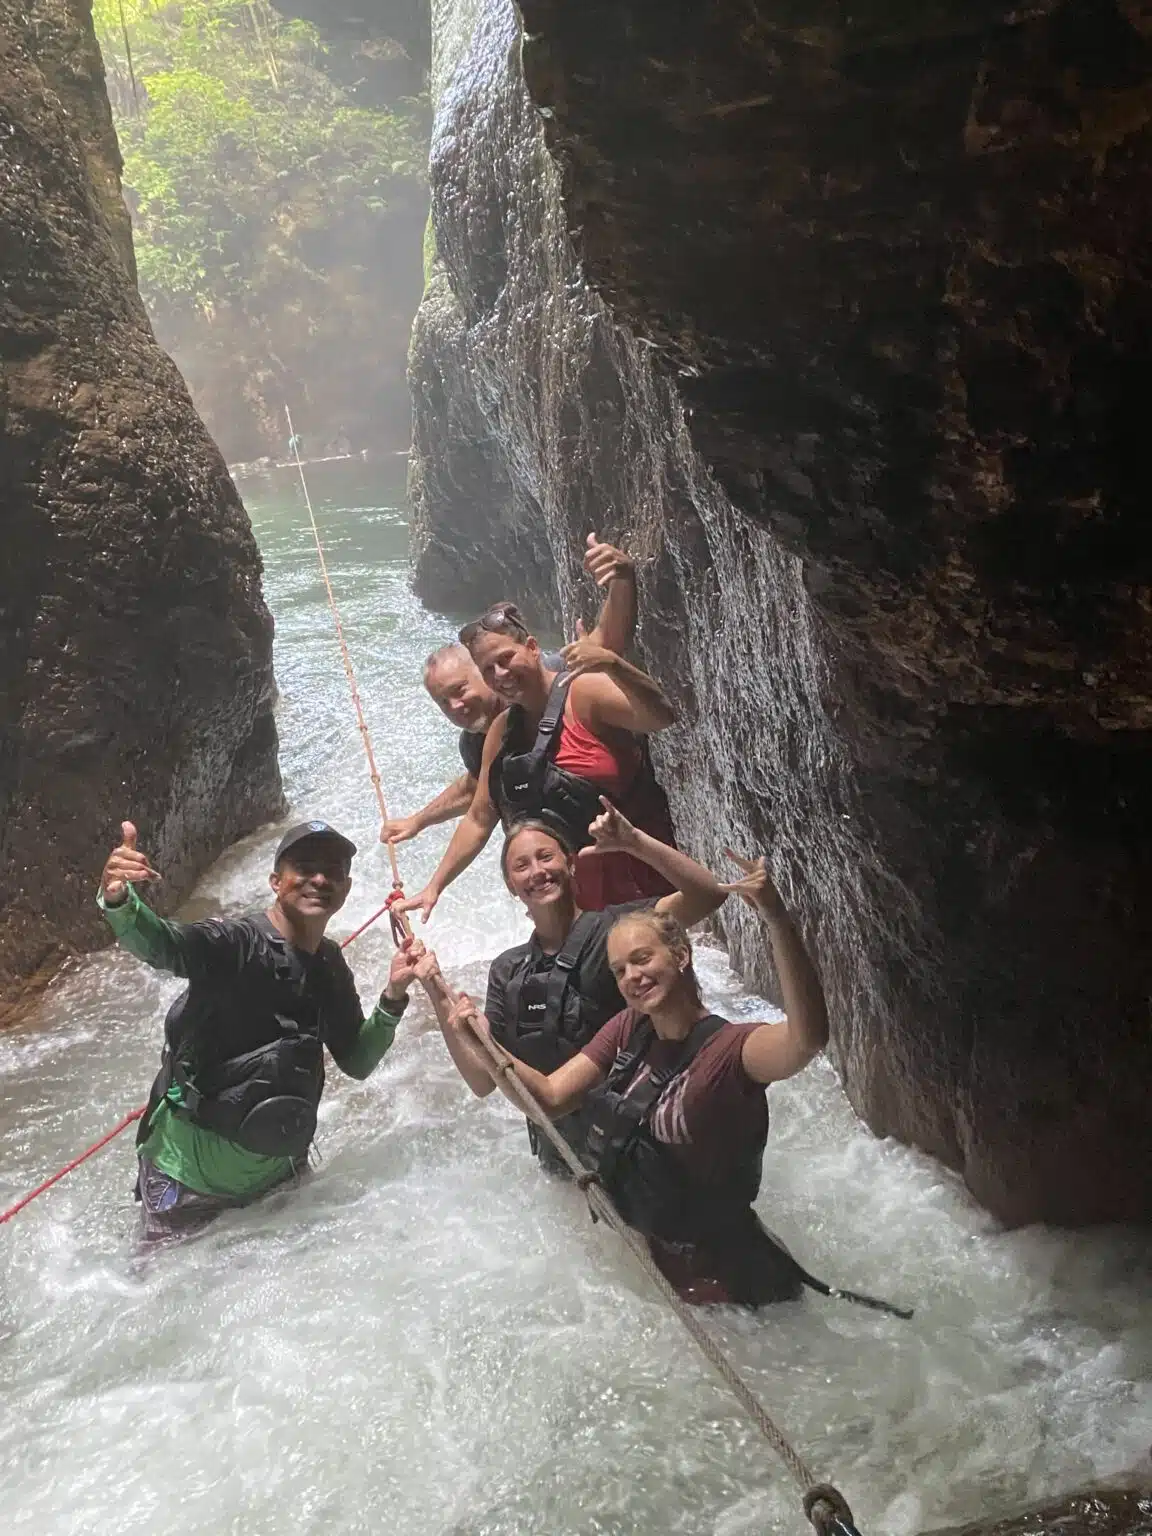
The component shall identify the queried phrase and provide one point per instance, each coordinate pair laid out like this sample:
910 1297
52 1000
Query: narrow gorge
842 321
840 318
136 673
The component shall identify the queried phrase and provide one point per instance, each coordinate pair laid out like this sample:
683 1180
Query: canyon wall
843 323
135 675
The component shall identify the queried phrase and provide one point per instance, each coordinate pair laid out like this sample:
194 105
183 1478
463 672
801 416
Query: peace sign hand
756 887
125 863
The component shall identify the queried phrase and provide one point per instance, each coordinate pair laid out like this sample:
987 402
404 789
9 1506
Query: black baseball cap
314 829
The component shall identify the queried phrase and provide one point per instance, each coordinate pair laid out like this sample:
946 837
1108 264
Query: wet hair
500 619
672 934
533 824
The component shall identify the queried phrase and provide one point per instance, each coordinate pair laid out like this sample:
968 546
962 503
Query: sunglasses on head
503 619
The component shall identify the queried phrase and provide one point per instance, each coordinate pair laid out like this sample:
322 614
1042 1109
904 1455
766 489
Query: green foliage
241 155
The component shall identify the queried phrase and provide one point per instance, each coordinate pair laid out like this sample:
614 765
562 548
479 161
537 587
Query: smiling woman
567 738
323 1353
668 1100
547 998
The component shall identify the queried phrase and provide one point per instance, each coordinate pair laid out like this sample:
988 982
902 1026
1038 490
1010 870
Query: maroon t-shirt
711 1116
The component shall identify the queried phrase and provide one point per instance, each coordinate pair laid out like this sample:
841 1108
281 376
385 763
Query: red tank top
581 751
607 879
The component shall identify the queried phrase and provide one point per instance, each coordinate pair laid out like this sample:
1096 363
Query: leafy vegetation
239 150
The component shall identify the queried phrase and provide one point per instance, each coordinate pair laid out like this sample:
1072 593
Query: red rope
75 1163
401 929
136 1113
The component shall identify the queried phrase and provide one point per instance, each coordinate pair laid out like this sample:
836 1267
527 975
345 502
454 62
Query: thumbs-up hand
604 562
125 863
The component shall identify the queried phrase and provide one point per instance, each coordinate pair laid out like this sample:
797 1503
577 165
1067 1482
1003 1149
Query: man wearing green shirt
233 1111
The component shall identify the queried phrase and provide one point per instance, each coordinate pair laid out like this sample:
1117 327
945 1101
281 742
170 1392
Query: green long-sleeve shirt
202 1159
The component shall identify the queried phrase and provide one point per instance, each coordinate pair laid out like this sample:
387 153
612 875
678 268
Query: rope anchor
827 1510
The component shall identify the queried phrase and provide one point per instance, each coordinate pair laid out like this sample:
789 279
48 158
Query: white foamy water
430 1338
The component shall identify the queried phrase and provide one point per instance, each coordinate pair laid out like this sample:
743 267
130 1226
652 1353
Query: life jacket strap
523 771
629 1112
176 1084
565 964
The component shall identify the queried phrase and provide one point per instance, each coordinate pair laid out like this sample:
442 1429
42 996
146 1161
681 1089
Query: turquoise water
429 1338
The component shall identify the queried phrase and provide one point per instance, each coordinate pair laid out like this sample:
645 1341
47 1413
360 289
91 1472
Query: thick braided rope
704 1341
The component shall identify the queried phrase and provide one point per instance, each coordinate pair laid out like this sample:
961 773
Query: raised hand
611 832
756 887
401 829
605 563
125 863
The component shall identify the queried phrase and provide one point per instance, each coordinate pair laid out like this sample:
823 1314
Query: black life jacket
266 1098
641 1175
528 783
547 1020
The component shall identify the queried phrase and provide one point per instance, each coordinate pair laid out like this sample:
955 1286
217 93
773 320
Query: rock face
1097 1512
135 677
844 323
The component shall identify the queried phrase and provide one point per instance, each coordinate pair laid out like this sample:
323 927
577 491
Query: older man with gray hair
454 683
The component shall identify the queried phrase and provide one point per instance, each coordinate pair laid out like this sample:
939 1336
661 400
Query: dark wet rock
1099 1512
135 676
844 321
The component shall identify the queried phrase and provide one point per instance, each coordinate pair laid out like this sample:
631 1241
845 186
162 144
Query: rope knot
827 1509
398 934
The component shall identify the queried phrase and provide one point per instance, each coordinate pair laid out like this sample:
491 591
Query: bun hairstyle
672 934
533 824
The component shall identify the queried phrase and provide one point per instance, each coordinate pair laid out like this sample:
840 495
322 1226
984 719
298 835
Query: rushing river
429 1337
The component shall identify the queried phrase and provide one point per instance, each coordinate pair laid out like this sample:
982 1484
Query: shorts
170 1210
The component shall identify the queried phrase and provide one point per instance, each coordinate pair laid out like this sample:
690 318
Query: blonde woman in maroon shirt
678 1102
